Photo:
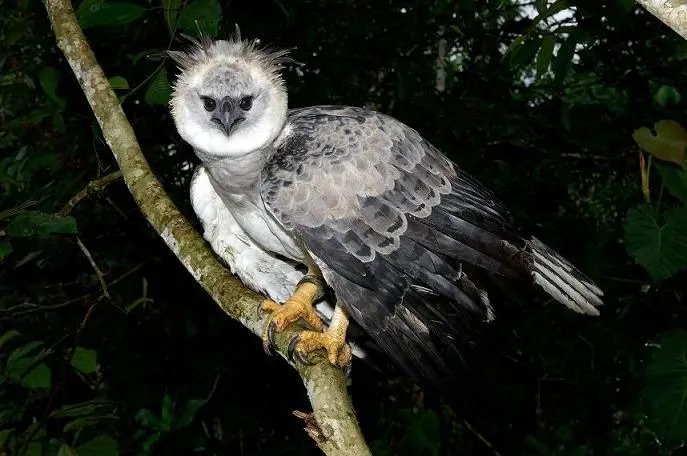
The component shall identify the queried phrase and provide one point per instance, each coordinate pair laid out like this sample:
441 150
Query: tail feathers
563 281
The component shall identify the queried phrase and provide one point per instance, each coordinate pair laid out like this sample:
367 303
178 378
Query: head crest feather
204 50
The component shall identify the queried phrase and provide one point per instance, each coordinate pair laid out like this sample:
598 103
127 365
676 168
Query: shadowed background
547 124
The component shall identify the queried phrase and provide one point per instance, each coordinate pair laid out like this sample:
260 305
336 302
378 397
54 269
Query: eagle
301 201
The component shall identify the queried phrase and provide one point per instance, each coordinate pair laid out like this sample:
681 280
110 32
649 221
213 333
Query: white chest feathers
252 262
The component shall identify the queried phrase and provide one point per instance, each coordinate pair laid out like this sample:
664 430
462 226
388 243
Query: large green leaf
667 95
109 13
523 54
564 58
669 143
119 83
84 360
200 16
545 55
34 223
158 90
38 377
102 445
674 178
666 386
661 247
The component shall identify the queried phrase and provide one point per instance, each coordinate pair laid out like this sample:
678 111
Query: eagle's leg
333 340
298 306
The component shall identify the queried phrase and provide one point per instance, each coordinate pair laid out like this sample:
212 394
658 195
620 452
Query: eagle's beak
228 115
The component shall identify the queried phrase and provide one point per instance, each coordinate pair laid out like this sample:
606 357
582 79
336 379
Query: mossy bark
673 13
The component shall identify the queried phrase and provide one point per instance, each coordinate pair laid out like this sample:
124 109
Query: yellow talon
298 307
333 340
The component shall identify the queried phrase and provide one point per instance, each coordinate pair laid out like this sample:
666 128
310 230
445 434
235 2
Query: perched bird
293 199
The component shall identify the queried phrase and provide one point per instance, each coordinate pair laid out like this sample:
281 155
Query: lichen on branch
335 428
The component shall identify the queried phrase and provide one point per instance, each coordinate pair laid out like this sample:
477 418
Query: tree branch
673 13
325 385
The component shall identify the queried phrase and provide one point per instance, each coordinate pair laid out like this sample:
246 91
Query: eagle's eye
209 104
246 103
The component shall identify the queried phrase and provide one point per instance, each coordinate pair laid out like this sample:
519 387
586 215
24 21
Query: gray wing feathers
361 174
391 223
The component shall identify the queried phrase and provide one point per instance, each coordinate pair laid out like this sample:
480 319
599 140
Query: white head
229 99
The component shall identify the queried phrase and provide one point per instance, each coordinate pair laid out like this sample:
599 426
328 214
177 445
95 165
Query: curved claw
347 370
268 341
295 355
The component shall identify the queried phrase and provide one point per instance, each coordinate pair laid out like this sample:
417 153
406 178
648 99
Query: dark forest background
570 111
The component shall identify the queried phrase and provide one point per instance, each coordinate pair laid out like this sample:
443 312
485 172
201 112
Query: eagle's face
227 107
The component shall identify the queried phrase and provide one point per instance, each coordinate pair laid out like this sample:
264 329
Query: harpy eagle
293 199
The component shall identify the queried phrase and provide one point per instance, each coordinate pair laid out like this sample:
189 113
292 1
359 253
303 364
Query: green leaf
188 412
200 16
9 335
22 351
667 95
564 58
167 413
668 144
89 421
660 247
109 13
666 386
34 223
83 409
84 360
38 377
102 445
66 450
545 55
170 9
148 419
158 90
523 54
674 178
119 83
4 435
5 249
34 449
49 78
86 4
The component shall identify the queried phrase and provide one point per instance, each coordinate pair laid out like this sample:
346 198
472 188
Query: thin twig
481 438
93 187
96 269
28 308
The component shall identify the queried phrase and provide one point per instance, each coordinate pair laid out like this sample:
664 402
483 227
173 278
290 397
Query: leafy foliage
538 101
666 385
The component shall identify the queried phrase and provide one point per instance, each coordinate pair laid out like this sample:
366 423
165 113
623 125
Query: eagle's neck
238 175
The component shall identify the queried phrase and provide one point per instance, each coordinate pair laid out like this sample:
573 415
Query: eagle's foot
298 307
333 341
338 351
